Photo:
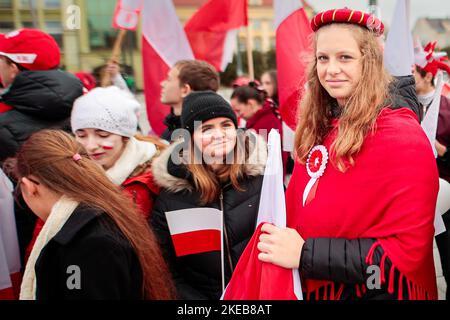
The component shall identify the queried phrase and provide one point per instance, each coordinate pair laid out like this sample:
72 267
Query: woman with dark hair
222 171
361 224
269 83
94 244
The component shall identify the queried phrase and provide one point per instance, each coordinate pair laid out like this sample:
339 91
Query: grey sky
419 8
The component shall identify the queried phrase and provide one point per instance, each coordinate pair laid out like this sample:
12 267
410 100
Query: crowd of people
93 192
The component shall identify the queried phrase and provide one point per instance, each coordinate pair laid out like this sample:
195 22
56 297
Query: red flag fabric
253 279
212 30
293 50
256 280
163 44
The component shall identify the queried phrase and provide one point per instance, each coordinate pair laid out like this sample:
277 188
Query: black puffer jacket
198 276
40 99
403 95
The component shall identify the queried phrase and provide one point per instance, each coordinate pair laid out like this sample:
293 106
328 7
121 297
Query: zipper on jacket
227 244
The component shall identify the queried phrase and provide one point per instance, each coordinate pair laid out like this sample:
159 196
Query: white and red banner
212 30
126 15
163 44
195 230
9 246
253 279
293 50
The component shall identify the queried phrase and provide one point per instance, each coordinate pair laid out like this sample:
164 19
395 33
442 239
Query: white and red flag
253 279
212 30
293 51
197 230
163 44
10 275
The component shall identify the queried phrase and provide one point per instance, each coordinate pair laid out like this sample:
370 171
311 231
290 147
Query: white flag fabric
272 205
430 120
399 49
9 245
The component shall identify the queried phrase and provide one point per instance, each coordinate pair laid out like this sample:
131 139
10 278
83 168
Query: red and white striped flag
163 44
253 279
195 230
10 276
212 30
293 50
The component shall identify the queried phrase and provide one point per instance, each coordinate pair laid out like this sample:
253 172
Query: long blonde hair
360 112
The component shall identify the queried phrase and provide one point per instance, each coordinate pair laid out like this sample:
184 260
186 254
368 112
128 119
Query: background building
87 47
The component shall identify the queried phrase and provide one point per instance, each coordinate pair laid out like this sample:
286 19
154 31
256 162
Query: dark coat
403 95
443 136
39 100
198 276
109 267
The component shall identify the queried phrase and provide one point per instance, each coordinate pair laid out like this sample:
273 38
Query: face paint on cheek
107 146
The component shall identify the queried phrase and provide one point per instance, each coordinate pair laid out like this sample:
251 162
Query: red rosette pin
315 166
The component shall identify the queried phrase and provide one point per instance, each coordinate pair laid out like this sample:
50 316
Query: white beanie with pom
108 109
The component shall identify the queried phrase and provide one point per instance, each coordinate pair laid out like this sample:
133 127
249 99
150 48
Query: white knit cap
109 109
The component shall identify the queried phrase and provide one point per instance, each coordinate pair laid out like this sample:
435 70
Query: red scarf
389 194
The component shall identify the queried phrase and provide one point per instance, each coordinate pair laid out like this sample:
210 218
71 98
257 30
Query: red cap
345 15
30 48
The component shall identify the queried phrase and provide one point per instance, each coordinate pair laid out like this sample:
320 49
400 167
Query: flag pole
251 71
115 56
222 254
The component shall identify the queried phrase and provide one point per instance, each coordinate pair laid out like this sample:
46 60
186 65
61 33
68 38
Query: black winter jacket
198 276
403 95
108 265
40 99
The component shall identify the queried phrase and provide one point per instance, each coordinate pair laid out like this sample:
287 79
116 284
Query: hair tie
76 157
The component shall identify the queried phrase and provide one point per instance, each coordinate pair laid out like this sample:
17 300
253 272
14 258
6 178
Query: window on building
5 4
52 4
257 44
256 24
6 26
255 2
273 43
27 4
55 29
27 24
101 33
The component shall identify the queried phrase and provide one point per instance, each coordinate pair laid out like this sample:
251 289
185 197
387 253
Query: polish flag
10 275
195 230
163 44
253 279
293 53
212 30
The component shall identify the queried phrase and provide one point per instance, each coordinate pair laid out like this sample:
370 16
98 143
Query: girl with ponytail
93 245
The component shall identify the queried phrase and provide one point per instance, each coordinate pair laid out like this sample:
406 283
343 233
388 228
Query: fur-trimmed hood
254 166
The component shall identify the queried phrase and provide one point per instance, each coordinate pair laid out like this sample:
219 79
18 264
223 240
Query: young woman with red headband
361 201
